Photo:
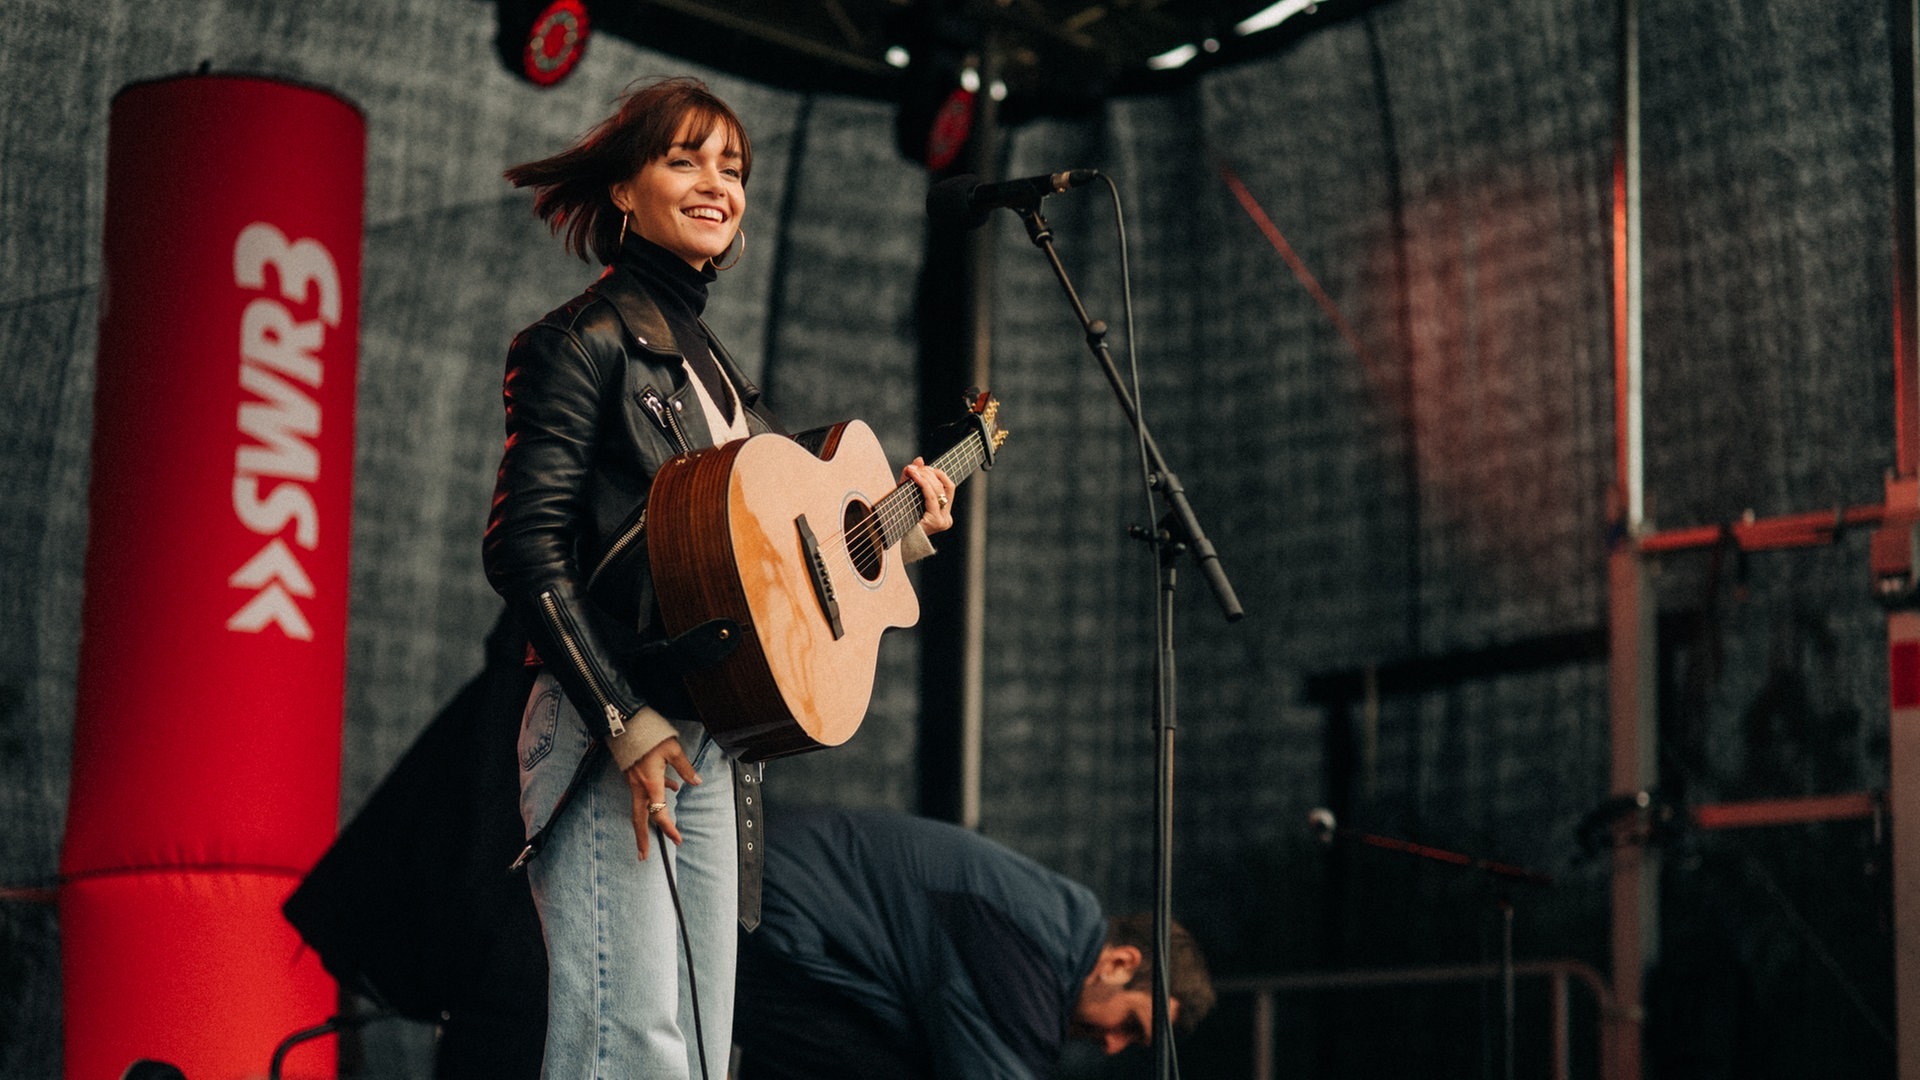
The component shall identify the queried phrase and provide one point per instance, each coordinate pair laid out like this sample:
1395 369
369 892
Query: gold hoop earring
742 234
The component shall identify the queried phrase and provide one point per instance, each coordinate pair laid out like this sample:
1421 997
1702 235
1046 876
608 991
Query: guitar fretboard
903 507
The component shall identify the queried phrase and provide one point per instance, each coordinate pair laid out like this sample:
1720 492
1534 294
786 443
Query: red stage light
555 42
952 127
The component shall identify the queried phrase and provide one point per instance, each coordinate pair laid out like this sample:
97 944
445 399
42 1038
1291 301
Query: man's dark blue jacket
969 952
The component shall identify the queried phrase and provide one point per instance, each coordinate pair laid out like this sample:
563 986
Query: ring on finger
654 808
943 500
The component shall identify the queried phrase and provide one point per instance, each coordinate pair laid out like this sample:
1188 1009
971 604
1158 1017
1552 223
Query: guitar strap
750 823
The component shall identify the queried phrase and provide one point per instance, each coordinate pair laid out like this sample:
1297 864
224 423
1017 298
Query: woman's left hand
936 488
649 780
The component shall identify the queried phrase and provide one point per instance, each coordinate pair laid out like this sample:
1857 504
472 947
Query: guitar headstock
986 411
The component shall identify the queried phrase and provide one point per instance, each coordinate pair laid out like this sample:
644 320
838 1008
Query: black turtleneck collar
669 275
681 293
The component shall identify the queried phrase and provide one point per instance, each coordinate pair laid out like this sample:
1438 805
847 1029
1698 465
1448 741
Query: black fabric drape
413 907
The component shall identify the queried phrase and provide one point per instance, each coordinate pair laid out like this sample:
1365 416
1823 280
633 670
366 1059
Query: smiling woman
690 199
600 395
573 188
656 192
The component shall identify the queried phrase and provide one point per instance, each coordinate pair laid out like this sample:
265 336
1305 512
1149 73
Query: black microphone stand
1177 532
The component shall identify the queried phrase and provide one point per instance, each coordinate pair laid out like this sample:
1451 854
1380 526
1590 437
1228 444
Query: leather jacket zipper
563 629
669 424
664 416
619 545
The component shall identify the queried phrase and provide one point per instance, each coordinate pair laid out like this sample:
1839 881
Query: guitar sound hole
865 547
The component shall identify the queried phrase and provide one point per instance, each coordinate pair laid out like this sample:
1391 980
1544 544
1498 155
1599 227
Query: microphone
965 198
1320 820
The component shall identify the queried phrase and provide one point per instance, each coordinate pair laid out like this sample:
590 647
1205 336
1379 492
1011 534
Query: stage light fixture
1176 57
951 129
542 42
1271 16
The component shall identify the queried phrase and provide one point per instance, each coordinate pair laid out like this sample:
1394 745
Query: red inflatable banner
206 756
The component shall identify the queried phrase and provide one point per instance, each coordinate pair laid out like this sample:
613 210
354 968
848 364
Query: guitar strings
895 510
890 516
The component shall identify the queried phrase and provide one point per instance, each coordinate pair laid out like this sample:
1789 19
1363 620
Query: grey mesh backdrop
1433 487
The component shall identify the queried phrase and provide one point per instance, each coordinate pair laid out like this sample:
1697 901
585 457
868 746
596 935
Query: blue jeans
619 999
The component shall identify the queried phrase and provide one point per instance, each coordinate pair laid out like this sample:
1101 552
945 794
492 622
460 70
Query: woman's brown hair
570 187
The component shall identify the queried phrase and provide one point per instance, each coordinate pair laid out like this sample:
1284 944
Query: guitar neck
904 506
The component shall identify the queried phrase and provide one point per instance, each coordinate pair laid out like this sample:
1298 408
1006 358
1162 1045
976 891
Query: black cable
686 943
333 1025
1133 356
1162 983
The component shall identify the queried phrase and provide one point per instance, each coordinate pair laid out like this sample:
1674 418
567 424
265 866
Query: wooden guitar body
728 537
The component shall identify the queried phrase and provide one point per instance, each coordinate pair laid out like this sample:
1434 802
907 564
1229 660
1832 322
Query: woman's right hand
650 783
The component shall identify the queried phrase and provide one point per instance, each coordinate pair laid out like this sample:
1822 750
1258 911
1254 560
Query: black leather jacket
597 399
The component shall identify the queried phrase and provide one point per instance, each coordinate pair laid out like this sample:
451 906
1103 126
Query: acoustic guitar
801 552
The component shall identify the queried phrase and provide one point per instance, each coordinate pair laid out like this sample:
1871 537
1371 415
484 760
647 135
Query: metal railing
1559 974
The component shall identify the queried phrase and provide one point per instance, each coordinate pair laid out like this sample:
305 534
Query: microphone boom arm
1186 525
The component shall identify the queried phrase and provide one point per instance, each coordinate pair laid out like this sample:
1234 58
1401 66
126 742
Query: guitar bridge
817 571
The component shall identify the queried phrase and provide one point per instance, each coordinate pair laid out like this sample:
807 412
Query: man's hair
570 187
1188 981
